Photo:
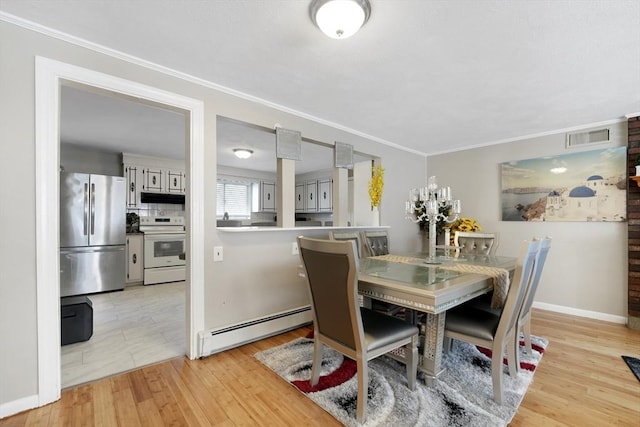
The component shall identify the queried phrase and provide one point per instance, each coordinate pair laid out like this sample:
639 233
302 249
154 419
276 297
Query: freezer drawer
92 269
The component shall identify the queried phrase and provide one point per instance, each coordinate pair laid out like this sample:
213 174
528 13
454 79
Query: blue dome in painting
594 178
582 191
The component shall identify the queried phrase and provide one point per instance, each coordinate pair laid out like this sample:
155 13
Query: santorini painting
583 186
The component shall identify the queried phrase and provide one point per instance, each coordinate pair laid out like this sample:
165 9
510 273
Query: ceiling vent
579 139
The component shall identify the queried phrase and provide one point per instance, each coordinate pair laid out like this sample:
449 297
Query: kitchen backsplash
158 209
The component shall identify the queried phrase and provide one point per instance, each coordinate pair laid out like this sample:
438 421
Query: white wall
586 272
258 274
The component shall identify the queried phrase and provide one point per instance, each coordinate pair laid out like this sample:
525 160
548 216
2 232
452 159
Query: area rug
462 396
634 364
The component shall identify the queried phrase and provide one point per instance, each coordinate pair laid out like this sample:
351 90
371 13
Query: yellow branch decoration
376 185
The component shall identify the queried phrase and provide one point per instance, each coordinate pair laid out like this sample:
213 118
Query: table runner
500 276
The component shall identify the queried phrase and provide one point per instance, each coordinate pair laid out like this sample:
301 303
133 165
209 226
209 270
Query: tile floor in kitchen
131 328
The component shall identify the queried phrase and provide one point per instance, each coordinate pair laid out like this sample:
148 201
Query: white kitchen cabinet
300 197
268 197
135 263
175 181
311 198
325 195
133 174
152 178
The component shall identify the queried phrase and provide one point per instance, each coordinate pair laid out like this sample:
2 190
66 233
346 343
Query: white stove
164 249
162 224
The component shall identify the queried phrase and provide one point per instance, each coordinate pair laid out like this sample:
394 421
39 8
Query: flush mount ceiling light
242 153
340 19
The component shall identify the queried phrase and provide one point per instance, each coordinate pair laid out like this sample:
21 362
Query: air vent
343 155
288 144
579 139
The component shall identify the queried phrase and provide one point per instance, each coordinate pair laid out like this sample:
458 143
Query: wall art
582 186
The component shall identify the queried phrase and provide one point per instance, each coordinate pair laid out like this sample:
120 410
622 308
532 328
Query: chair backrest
331 270
375 242
518 287
475 243
340 235
541 258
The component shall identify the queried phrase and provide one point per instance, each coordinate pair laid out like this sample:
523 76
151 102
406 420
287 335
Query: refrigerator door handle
93 207
86 207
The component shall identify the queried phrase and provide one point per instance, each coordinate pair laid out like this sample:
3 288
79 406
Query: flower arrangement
463 224
376 185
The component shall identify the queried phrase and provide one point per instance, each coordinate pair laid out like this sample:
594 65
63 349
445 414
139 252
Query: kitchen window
234 198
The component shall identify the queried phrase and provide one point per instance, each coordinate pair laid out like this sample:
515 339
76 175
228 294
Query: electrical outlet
217 253
294 248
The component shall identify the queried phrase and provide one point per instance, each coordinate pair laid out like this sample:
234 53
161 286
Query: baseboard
19 405
221 339
581 313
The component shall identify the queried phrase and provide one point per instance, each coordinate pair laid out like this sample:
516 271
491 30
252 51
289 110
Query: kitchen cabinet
135 264
152 175
325 195
311 199
175 181
133 176
300 197
152 180
267 197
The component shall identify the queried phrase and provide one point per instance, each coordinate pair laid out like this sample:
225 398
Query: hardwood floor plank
581 381
103 405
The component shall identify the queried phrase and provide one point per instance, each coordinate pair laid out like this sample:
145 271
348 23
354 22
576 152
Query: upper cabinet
152 175
325 195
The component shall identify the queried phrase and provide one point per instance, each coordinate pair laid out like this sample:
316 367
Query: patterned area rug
634 364
462 396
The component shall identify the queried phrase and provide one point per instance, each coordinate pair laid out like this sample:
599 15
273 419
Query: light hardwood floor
581 381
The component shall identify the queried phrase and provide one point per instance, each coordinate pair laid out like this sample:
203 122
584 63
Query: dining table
432 286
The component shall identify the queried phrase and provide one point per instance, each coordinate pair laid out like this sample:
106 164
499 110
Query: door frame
49 76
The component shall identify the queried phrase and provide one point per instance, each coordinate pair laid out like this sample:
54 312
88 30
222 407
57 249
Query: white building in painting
598 199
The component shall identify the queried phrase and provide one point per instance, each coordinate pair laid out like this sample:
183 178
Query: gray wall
258 275
586 272
79 159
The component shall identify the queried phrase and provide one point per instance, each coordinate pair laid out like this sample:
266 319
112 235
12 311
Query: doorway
50 75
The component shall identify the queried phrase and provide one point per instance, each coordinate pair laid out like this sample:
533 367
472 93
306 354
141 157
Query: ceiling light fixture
242 153
340 19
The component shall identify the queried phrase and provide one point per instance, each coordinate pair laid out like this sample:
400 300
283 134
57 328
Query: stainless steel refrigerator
92 233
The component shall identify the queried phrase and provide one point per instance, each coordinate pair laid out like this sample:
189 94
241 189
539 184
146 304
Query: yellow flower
463 224
376 185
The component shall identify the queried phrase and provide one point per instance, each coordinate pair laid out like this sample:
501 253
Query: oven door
163 250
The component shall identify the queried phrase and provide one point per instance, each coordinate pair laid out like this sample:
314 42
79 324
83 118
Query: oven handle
171 237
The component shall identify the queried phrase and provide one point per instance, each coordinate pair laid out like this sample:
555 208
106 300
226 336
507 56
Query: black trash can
76 323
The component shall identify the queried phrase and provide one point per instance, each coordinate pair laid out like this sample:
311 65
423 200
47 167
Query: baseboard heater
221 339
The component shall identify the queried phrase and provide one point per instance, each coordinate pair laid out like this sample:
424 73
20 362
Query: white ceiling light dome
340 19
242 153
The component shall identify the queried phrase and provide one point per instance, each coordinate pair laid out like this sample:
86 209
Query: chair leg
447 344
496 373
513 359
317 362
363 386
411 361
526 329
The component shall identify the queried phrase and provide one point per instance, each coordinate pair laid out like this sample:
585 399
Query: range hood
176 199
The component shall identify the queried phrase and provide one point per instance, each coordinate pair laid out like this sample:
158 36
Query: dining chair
358 333
375 242
524 318
475 243
346 235
495 331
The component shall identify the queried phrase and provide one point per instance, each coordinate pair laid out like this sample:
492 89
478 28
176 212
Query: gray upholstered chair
358 333
496 332
524 319
347 235
475 243
375 242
